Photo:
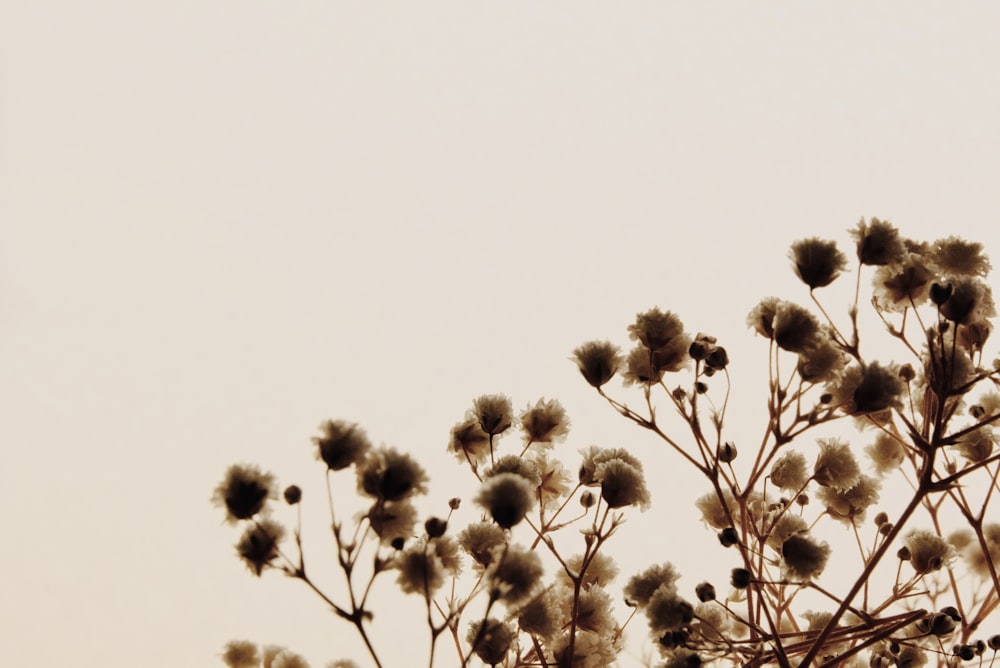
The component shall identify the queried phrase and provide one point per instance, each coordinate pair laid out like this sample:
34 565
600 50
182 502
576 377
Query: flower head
886 453
821 362
928 551
789 471
479 540
420 570
390 475
490 640
817 262
525 468
244 492
640 588
469 443
851 504
878 242
392 520
868 389
835 465
258 546
544 422
971 300
803 558
666 611
655 329
956 257
507 497
598 361
515 573
341 444
494 412
902 284
622 484
795 328
241 654
761 318
977 445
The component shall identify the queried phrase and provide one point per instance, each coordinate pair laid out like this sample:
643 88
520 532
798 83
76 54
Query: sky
223 222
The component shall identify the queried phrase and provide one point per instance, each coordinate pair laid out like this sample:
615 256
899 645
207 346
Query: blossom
900 285
622 484
835 465
878 242
928 551
593 611
817 262
554 481
787 525
390 475
886 453
821 362
287 659
469 443
508 497
795 328
789 471
515 573
655 329
868 389
490 640
479 540
666 611
541 616
594 457
544 422
957 257
970 300
977 445
598 361
525 468
601 570
391 520
761 317
714 513
975 556
258 546
851 504
244 492
341 444
241 654
494 412
641 587
803 558
420 570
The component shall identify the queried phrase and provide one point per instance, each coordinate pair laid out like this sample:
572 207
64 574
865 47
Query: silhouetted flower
469 443
479 540
641 587
420 570
241 654
525 468
955 257
971 300
795 328
835 465
789 471
508 497
390 475
341 444
904 284
598 361
393 519
515 574
803 558
928 551
545 422
490 640
864 390
622 484
850 505
878 242
259 545
817 262
244 492
494 412
655 329
886 453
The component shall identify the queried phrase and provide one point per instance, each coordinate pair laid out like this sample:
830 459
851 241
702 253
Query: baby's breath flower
545 422
244 492
971 300
928 551
525 468
515 573
977 445
787 525
803 558
817 262
479 540
241 654
682 658
420 570
390 475
850 505
795 329
393 519
288 659
956 257
911 656
835 465
666 611
593 611
594 456
590 650
878 242
640 588
258 546
341 444
541 616
711 621
508 497
600 571
494 412
869 389
555 480
761 318
469 443
902 285
990 403
598 361
655 329
446 549
789 471
622 485
821 362
490 640
714 513
973 553
886 453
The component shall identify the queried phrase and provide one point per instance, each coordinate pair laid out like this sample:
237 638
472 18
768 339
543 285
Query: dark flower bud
966 653
994 642
980 647
435 527
679 394
802 499
881 519
587 499
941 624
952 612
454 503
885 529
293 494
941 293
740 578
705 592
907 373
825 398
700 387
717 358
728 537
698 350
727 452
398 543
903 553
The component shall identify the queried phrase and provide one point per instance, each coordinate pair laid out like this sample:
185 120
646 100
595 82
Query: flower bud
728 537
454 503
727 452
705 592
435 527
587 499
740 578
293 494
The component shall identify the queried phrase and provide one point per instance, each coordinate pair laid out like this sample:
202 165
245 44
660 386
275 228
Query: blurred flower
393 519
784 528
803 558
977 445
541 616
640 588
957 257
666 611
446 549
494 412
761 318
789 471
622 484
714 513
795 328
593 611
899 286
817 262
928 551
341 444
850 505
821 362
258 546
878 242
241 654
598 361
886 453
655 329
515 573
508 497
600 571
545 422
287 659
469 443
974 554
970 300
390 475
869 389
490 640
835 465
244 492
479 540
420 570
525 468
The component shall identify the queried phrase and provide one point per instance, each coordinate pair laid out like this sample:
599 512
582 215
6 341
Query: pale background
223 222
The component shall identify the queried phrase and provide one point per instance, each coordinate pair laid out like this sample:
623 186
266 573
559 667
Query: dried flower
817 262
784 528
420 570
390 475
598 361
928 551
554 482
803 558
287 659
341 444
479 540
525 468
869 389
850 505
640 588
593 610
258 546
666 611
391 520
761 318
902 285
622 484
977 445
714 513
494 412
795 328
789 471
835 465
955 257
594 457
241 654
886 453
508 497
545 422
490 640
878 243
244 492
601 570
469 443
971 300
541 616
655 329
515 573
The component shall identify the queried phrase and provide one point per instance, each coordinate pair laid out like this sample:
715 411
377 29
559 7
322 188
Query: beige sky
223 222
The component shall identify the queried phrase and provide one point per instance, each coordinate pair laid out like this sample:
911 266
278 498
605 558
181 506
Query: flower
878 243
601 570
490 640
541 616
287 659
971 300
515 574
544 422
469 443
789 471
928 551
494 412
714 513
341 444
761 317
803 558
903 284
817 262
420 570
957 257
977 445
835 465
666 611
622 484
821 362
886 453
390 475
525 468
508 497
784 528
258 546
554 481
655 329
241 654
593 611
244 492
598 361
479 540
393 519
641 587
795 328
868 389
594 457
849 505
